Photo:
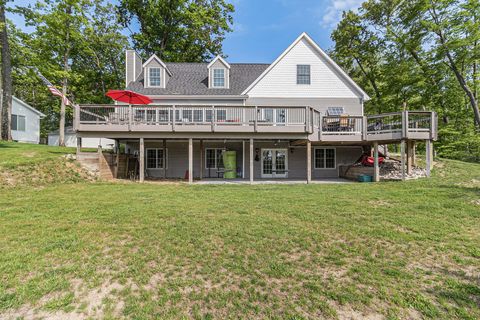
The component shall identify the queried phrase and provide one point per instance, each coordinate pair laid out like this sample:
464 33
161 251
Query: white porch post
376 171
309 161
243 159
251 161
201 159
402 154
190 160
428 157
164 146
142 160
79 145
117 157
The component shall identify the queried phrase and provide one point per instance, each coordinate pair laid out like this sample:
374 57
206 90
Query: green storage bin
230 164
365 178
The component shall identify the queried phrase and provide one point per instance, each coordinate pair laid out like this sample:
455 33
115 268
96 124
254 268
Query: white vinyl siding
324 158
154 158
281 79
154 77
213 158
18 122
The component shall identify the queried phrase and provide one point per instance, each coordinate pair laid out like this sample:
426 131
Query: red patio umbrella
128 96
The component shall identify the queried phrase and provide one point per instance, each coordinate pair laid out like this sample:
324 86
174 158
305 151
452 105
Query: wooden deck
252 121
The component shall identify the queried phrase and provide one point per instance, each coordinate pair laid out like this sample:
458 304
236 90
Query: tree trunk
61 139
453 66
6 108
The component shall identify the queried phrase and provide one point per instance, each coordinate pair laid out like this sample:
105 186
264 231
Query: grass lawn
111 250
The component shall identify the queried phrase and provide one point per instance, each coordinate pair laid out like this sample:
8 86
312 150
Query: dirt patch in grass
85 303
59 170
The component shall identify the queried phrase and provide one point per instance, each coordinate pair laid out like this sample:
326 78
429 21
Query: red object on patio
369 161
128 96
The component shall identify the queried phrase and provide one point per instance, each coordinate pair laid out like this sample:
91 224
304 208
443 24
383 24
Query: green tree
76 44
421 54
178 30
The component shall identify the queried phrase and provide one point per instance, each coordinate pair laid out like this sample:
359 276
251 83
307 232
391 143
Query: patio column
141 159
201 159
251 161
409 157
309 161
117 158
79 145
402 154
243 159
190 160
164 146
376 167
428 156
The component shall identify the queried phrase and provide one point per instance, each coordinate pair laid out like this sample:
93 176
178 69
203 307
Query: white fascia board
28 106
221 59
154 56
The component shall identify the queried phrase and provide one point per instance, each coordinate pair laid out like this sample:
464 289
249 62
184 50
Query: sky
263 29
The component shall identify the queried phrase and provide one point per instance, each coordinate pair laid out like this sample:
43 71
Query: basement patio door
274 163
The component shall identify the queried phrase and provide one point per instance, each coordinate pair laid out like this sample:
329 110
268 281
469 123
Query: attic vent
335 111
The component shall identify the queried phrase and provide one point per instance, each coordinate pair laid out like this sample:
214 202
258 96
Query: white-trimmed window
154 77
303 74
325 158
218 78
18 122
154 158
213 158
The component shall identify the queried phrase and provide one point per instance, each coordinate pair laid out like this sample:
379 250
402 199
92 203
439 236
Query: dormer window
218 78
154 77
218 74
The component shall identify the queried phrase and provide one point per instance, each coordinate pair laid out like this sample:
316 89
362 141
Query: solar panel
335 111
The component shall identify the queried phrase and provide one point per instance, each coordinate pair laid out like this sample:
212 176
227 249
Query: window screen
303 74
154 77
219 78
18 122
14 122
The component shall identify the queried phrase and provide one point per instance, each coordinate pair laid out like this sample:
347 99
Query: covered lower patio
251 160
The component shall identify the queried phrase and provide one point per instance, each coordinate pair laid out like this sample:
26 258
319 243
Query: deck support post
414 151
251 160
201 159
79 145
409 157
376 166
428 157
243 159
164 146
402 155
309 161
190 160
141 159
117 158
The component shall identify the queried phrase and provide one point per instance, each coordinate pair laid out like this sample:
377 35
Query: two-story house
300 117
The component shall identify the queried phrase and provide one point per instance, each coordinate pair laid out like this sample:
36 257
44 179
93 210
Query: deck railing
388 126
188 116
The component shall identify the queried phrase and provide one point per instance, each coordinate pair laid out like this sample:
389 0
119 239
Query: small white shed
25 122
71 140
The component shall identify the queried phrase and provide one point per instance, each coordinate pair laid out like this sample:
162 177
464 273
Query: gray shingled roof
192 79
